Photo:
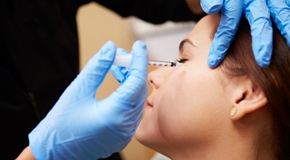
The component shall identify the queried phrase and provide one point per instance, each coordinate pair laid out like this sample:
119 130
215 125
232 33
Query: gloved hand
258 14
119 72
81 127
280 12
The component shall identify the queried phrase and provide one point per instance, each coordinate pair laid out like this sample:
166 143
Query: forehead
205 28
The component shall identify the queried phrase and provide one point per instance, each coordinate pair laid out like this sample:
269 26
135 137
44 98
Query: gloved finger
229 22
211 6
280 12
120 73
128 100
135 85
94 72
288 2
258 15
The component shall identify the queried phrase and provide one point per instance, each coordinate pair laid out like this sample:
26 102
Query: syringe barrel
161 63
123 60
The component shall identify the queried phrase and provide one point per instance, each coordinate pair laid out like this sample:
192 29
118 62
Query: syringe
124 60
165 64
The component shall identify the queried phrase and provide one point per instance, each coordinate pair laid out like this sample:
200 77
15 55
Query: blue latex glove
83 128
120 73
280 12
258 14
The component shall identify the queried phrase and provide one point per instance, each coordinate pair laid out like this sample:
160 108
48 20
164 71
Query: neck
242 141
227 148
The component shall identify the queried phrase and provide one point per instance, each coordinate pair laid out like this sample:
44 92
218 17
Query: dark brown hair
273 80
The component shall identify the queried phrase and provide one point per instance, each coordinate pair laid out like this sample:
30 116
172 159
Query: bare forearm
194 6
26 154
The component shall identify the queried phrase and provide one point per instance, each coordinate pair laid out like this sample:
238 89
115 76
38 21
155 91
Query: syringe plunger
123 60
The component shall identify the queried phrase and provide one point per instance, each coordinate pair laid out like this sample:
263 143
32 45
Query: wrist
26 154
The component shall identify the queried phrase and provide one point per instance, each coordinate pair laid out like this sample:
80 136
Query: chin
143 139
146 136
156 145
151 138
141 135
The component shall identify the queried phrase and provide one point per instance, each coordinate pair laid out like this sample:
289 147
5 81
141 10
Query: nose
156 78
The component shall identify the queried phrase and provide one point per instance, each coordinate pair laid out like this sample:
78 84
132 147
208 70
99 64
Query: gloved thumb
125 105
93 74
211 7
135 85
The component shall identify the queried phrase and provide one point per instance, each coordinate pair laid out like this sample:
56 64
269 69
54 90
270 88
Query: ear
247 98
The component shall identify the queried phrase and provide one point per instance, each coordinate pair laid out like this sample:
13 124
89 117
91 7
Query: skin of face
188 107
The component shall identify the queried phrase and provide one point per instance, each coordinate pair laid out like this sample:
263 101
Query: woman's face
188 105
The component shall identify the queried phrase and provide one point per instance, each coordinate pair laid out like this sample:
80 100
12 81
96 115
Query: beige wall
97 25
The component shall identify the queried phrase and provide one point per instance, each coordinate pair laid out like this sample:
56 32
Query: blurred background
97 25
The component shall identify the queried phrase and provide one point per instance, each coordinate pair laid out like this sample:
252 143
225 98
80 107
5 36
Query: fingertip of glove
108 47
212 62
263 52
110 44
211 7
140 56
263 64
139 50
108 51
263 60
215 56
139 44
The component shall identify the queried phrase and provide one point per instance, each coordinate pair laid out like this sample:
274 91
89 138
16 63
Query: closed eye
181 60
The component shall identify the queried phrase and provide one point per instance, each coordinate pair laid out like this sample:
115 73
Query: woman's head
188 112
274 81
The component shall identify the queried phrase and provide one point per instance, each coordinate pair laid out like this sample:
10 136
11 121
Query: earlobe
234 111
248 100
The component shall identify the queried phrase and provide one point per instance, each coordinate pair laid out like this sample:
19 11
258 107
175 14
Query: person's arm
194 6
26 154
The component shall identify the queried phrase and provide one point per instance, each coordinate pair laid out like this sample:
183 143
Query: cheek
186 111
174 106
148 132
184 107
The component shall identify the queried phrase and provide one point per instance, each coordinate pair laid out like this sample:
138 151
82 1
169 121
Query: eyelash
181 60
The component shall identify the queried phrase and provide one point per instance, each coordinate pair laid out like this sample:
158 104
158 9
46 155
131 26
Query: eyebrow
181 45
